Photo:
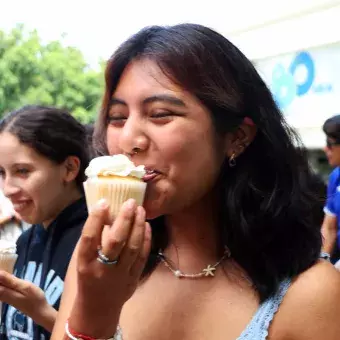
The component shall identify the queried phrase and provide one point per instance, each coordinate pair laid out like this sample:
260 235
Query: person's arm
95 292
67 299
28 298
329 233
329 225
311 308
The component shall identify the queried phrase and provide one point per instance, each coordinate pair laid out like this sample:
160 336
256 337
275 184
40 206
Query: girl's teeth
19 206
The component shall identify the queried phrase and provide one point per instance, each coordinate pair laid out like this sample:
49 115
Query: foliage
48 74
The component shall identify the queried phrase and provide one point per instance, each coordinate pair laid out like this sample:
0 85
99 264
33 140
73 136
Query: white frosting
7 247
117 165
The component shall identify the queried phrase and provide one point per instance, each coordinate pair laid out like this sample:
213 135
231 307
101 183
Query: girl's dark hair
89 128
266 200
51 132
331 127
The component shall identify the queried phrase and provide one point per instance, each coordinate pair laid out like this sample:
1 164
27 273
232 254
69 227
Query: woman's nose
9 188
133 136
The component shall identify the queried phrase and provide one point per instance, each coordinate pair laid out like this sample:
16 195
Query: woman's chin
152 210
152 214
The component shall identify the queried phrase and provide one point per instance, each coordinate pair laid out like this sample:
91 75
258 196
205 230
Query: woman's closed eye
116 120
22 171
158 117
164 117
163 114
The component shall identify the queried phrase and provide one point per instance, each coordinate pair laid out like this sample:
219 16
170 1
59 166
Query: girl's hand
28 298
104 288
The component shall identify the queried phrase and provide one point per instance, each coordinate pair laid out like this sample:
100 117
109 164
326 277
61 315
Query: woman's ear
71 169
240 139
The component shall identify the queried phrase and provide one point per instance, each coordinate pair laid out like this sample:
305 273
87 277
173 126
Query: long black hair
267 199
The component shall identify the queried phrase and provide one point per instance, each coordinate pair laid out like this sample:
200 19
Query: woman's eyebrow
166 99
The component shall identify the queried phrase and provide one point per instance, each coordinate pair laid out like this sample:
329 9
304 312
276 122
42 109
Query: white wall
278 30
287 26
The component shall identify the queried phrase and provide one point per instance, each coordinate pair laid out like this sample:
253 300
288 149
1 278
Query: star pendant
209 271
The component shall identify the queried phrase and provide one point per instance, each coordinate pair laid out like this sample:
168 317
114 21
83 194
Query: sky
98 27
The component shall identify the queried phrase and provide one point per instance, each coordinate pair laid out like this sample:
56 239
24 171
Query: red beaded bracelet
77 336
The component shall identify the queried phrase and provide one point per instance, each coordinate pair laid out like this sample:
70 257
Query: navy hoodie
43 258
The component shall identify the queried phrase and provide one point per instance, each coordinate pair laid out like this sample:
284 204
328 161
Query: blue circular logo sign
284 86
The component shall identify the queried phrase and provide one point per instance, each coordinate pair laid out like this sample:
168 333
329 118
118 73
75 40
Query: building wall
306 86
280 32
286 26
278 36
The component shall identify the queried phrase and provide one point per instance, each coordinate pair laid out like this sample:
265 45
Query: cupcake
116 179
8 255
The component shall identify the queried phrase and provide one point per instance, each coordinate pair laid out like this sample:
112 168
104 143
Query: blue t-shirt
332 206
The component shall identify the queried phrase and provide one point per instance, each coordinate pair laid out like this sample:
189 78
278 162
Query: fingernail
130 203
141 211
101 204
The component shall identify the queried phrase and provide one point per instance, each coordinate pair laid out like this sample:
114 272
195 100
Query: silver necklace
208 271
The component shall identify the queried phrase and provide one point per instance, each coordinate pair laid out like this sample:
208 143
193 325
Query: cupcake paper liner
7 262
115 190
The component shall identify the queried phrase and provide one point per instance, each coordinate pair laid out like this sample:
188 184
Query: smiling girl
43 154
233 249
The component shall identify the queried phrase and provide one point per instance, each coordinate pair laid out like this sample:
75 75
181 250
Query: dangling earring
232 160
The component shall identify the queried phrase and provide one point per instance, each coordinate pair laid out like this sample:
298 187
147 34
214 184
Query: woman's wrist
99 324
46 317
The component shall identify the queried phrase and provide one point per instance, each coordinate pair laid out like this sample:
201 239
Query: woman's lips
150 175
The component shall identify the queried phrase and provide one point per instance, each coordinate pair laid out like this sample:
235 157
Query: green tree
48 74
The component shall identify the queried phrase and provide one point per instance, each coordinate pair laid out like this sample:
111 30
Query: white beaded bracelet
72 337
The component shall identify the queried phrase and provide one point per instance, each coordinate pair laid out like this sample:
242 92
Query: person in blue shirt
331 223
